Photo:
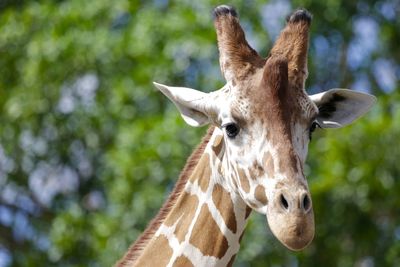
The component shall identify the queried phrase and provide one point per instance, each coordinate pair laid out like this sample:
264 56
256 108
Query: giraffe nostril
284 202
306 203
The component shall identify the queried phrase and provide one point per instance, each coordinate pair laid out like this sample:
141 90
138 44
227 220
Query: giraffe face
265 127
264 157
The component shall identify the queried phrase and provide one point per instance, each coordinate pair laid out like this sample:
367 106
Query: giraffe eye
231 129
314 126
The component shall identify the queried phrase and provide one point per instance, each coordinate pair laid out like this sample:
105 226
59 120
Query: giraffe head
266 119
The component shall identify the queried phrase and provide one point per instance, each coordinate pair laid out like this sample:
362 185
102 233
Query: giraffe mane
137 247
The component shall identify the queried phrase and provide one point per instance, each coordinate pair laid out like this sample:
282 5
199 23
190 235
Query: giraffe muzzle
291 219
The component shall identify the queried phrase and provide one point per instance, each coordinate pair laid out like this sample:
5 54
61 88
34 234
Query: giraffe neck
205 225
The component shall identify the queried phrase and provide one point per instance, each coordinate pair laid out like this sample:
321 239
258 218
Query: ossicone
224 10
276 72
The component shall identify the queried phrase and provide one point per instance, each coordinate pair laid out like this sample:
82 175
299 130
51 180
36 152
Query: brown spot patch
204 228
182 261
244 182
218 144
185 209
260 195
279 185
256 170
202 172
223 201
269 164
153 255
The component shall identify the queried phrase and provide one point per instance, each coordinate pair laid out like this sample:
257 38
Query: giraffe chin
294 231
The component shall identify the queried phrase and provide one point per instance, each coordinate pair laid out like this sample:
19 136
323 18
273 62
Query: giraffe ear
340 107
196 107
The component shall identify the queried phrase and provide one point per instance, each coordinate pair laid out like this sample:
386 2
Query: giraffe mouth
295 231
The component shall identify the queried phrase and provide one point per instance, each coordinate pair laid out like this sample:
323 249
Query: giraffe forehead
250 100
251 106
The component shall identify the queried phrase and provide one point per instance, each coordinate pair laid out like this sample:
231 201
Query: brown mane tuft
136 248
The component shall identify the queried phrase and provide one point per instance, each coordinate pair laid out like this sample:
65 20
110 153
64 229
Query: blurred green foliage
89 150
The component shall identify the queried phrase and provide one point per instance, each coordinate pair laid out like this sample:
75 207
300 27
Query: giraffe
253 154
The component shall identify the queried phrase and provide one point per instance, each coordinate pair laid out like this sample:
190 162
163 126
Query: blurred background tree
89 150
